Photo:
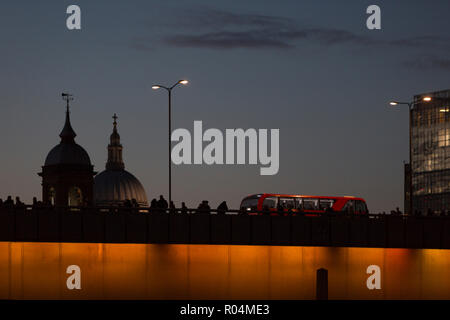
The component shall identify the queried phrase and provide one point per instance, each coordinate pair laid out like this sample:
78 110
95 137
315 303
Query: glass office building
430 152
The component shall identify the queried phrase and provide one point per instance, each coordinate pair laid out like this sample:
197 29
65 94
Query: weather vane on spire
67 97
115 121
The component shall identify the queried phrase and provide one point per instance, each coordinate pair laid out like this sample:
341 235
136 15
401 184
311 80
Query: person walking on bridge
222 208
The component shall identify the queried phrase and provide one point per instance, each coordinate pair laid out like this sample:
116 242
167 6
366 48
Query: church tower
67 175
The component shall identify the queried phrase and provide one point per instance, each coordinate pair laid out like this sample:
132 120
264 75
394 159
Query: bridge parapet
130 225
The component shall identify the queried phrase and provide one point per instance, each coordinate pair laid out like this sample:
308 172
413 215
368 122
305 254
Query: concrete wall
32 270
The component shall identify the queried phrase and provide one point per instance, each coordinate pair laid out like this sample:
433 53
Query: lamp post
410 106
169 91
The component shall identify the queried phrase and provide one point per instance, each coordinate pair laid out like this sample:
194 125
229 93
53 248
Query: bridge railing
139 225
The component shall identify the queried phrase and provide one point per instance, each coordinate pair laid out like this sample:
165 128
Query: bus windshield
250 203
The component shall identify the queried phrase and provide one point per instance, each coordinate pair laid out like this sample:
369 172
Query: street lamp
169 90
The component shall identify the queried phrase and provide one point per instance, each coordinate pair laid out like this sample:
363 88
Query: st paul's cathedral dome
115 185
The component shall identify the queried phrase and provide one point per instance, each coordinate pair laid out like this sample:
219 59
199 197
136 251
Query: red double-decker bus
291 204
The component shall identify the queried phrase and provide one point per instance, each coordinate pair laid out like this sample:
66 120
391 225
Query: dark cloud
208 28
228 39
336 36
266 38
214 29
422 42
429 62
215 19
226 30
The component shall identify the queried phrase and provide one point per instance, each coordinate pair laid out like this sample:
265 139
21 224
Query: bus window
299 204
365 207
360 207
349 207
287 203
324 204
310 204
269 203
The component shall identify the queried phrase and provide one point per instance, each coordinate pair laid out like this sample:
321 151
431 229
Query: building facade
430 153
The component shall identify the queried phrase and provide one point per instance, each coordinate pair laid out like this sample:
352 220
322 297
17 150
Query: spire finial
115 161
115 117
67 134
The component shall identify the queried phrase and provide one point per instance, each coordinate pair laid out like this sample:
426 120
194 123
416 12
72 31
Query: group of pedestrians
418 213
10 203
162 205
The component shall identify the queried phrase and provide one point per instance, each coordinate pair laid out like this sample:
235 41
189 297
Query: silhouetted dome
113 187
67 153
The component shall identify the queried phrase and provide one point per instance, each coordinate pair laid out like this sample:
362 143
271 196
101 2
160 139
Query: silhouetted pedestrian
172 207
222 208
184 209
36 204
153 205
204 207
162 203
19 204
9 202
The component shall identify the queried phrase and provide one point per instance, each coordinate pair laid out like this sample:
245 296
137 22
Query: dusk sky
309 68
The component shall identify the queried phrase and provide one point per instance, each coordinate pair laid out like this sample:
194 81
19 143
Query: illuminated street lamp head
183 82
393 103
156 87
427 99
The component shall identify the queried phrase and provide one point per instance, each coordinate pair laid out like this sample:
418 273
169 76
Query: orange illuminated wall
158 271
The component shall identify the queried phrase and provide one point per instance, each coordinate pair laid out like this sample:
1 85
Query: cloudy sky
310 68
